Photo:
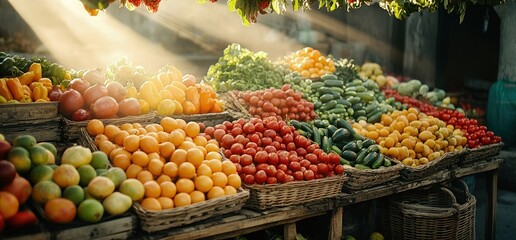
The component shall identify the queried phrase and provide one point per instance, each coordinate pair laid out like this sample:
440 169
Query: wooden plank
491 188
36 236
336 224
289 231
401 186
123 235
97 230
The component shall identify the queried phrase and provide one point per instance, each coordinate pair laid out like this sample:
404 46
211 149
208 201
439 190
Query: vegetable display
241 69
309 63
16 66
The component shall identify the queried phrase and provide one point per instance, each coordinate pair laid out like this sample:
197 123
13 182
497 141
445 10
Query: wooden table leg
491 188
336 224
289 231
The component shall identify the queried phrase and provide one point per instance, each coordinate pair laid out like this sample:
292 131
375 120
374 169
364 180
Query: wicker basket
362 179
438 213
482 153
293 193
209 119
447 160
152 221
44 130
71 128
86 140
27 111
234 107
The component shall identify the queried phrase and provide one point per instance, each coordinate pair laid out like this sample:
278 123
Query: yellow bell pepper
189 108
192 95
205 101
217 106
47 83
36 68
15 87
27 94
179 94
131 91
150 94
39 92
27 78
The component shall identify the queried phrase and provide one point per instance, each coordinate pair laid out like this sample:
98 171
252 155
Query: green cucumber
306 127
352 146
378 161
326 144
361 155
317 105
350 93
366 96
387 162
333 83
344 161
357 106
373 148
329 76
361 167
316 85
338 110
369 159
336 150
340 135
360 144
326 97
344 102
325 90
331 130
372 106
349 155
329 105
338 90
341 123
359 113
316 136
318 123
353 100
360 89
375 118
368 142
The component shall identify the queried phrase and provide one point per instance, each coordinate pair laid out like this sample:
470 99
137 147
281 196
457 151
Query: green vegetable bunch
241 69
346 70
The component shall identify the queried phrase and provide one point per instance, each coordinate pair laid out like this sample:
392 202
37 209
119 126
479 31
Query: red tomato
227 141
285 130
234 158
241 139
288 138
271 171
261 157
294 166
249 179
250 169
309 175
282 167
209 130
281 176
249 128
259 127
293 158
305 163
260 177
283 157
227 153
218 134
486 140
270 149
228 125
273 159
289 178
278 139
311 148
313 168
266 141
299 176
246 159
312 158
238 167
271 180
301 141
301 152
339 169
250 151
237 148
276 145
273 125
291 146
334 158
322 168
324 157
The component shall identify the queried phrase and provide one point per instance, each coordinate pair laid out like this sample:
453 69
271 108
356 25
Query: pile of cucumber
357 99
354 150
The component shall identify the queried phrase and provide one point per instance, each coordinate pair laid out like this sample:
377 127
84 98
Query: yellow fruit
166 107
185 185
182 199
216 192
203 183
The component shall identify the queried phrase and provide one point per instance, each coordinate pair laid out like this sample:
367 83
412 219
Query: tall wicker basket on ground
437 213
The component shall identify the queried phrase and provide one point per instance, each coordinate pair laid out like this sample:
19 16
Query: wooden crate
27 111
44 130
118 228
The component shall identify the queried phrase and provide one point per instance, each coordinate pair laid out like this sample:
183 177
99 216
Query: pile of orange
176 164
412 137
309 63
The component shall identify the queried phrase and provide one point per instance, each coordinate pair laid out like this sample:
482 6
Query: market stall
129 153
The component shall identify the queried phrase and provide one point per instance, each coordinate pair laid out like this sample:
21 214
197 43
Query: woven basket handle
454 200
465 185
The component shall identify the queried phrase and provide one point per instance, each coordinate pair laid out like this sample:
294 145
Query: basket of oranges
183 176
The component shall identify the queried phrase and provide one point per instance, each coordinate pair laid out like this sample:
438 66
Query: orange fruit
152 189
181 123
126 126
194 156
185 185
144 176
203 183
100 138
154 155
153 134
166 203
228 168
214 155
133 170
215 165
168 189
210 147
216 192
234 180
131 143
141 131
192 129
151 204
155 167
163 137
204 170
176 138
178 156
219 179
119 151
110 131
214 142
230 190
170 169
122 161
137 125
133 131
203 150
140 158
187 145
158 127
150 128
166 149
186 170
120 136
200 141
9 204
182 199
149 144
197 196
95 127
169 124
163 178
106 146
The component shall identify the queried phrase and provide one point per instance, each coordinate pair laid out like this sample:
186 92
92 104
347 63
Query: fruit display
309 63
269 151
414 88
354 150
477 134
241 69
168 165
412 137
124 72
284 102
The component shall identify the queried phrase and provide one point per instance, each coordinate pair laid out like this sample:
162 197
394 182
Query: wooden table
247 221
